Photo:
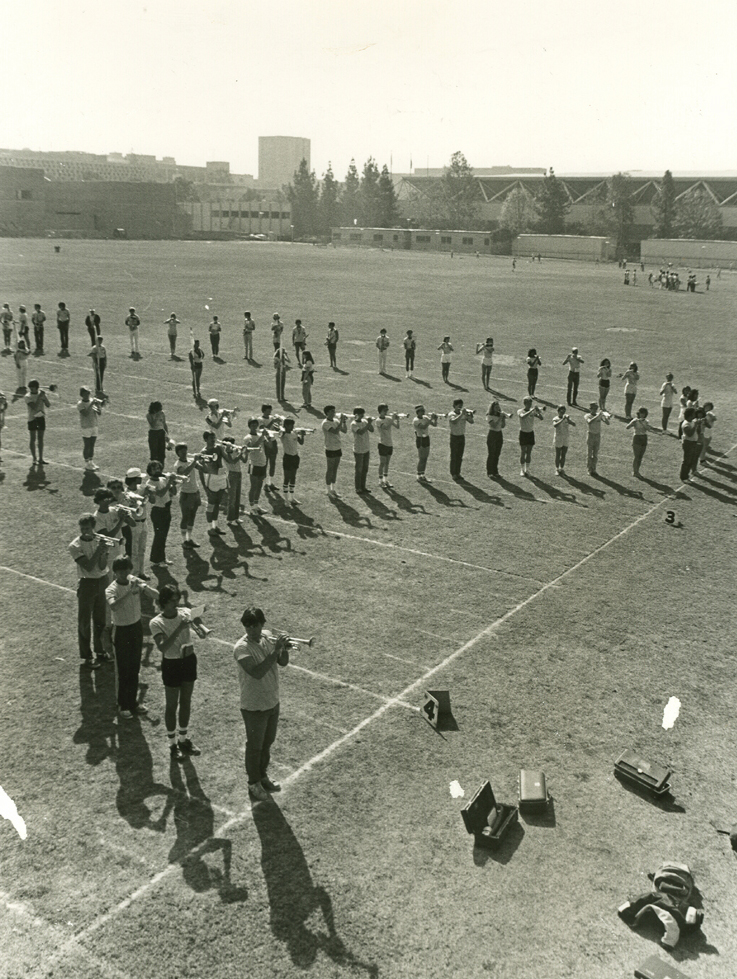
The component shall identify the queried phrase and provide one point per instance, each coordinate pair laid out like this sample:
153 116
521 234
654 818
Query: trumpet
109 541
127 509
295 641
175 477
393 414
231 412
199 628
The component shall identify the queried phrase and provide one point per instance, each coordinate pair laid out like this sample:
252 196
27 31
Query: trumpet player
527 415
89 552
258 655
421 424
160 488
593 418
233 455
214 481
218 419
189 494
458 418
290 442
37 402
254 445
271 446
123 597
110 520
360 428
384 425
332 428
133 480
89 410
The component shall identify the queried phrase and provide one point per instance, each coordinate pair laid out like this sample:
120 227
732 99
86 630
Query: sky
579 85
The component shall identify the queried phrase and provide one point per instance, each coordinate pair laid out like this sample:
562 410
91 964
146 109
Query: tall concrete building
279 157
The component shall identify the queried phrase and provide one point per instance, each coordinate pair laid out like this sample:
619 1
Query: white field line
341 533
224 642
321 756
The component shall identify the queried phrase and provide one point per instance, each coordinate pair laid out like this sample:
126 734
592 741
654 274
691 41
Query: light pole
292 227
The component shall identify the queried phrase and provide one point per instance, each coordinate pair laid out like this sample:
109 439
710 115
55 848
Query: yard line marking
411 662
408 550
224 642
434 635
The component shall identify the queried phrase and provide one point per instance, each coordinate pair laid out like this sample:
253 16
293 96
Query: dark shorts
603 383
422 441
526 438
37 425
259 472
175 672
385 450
333 453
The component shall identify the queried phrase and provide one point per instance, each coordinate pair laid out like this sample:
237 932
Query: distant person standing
89 414
641 427
299 340
37 402
281 366
248 329
533 364
446 355
421 425
63 318
496 419
290 441
331 342
99 359
486 349
667 391
384 424
631 376
308 376
527 415
410 346
23 330
123 596
382 345
574 362
215 329
90 554
277 328
8 319
595 416
457 420
604 375
360 428
38 318
171 331
332 428
21 355
133 321
708 282
92 322
196 360
158 432
561 426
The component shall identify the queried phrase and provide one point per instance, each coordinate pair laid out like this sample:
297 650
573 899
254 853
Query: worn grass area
561 614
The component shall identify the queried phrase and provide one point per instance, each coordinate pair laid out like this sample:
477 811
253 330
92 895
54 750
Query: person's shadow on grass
723 498
37 480
90 482
583 487
553 491
440 497
478 494
195 826
379 508
97 706
350 515
294 896
134 766
622 490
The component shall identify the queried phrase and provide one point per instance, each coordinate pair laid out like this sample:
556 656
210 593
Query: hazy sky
580 85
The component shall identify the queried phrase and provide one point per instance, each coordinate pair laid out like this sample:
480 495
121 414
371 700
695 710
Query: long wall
579 247
22 201
417 239
688 252
240 217
98 208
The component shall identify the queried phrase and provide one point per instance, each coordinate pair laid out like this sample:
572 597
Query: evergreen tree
623 211
368 195
329 207
388 206
552 205
518 211
303 196
698 216
349 206
460 193
664 208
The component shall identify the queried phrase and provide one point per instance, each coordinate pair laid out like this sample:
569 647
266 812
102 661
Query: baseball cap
134 474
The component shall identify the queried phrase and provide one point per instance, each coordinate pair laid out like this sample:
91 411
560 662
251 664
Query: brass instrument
109 541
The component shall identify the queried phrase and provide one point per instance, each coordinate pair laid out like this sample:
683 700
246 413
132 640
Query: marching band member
277 328
196 361
160 489
496 419
290 441
38 318
258 655
139 533
214 481
248 329
8 319
189 494
331 430
486 349
37 402
218 419
299 340
254 445
21 355
331 342
384 425
158 432
281 366
170 630
561 430
641 427
3 409
63 317
593 418
90 554
110 520
271 446
24 331
233 455
382 345
99 359
527 415
117 488
171 331
133 321
89 413
360 427
446 348
421 425
410 345
215 329
308 376
123 597
457 420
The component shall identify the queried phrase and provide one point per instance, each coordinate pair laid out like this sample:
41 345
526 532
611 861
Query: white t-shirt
257 694
561 432
182 645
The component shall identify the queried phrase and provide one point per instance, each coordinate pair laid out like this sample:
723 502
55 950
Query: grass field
561 614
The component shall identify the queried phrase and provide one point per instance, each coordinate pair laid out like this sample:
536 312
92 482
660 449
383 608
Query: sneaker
269 785
89 466
176 753
141 709
336 495
186 543
522 472
295 502
91 664
94 466
257 510
388 485
192 543
125 713
188 748
258 792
